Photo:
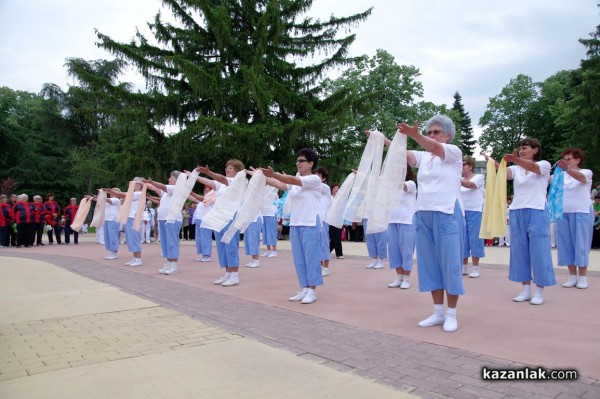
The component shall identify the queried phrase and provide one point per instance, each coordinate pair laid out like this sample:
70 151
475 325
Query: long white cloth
226 204
370 166
98 219
253 200
387 187
335 214
183 188
82 211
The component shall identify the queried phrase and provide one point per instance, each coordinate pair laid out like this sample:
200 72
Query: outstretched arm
427 143
213 175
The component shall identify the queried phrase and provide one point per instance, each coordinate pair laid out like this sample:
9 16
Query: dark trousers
5 236
37 233
24 234
56 230
12 234
335 240
68 231
596 239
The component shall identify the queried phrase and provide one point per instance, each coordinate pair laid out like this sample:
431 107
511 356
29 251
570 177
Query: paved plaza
73 324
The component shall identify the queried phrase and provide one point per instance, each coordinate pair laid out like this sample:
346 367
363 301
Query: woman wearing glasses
439 217
574 231
530 256
305 222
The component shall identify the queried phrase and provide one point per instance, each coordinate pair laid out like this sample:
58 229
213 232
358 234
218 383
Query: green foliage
463 127
508 116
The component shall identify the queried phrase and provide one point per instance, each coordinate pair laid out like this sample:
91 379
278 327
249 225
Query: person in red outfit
52 216
23 211
6 219
70 212
38 221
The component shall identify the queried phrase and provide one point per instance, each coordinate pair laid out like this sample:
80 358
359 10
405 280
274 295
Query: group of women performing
440 215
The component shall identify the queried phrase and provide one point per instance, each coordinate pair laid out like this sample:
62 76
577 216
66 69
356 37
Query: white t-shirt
135 202
111 209
166 199
530 188
268 207
439 180
576 198
305 201
404 207
325 201
473 197
201 211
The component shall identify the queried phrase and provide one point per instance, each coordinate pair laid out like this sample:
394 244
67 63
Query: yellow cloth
493 220
82 211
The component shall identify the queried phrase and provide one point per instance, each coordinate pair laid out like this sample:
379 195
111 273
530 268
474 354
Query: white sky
471 46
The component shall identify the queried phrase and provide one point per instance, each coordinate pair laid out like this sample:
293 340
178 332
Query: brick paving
423 369
35 347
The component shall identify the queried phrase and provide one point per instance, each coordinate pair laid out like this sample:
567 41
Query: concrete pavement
359 330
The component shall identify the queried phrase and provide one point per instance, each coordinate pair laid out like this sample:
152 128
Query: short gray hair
445 123
23 197
35 197
175 174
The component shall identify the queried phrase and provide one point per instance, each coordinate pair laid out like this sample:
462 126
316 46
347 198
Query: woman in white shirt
324 203
529 222
305 222
472 190
111 227
401 232
169 231
269 226
229 257
203 235
574 231
439 217
133 237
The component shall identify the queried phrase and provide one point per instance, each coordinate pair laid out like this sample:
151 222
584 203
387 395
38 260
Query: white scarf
387 187
335 214
98 219
183 188
251 204
82 211
368 169
227 204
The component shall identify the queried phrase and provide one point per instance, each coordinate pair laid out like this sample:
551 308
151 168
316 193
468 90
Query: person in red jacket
23 211
52 216
70 212
6 219
38 221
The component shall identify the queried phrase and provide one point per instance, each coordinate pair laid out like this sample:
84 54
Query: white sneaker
112 257
165 267
379 264
450 324
206 259
537 300
372 264
570 284
582 285
325 271
137 262
310 297
522 297
130 262
266 254
395 284
172 269
221 280
254 263
273 254
405 285
465 271
433 320
299 296
231 282
199 258
474 274
107 256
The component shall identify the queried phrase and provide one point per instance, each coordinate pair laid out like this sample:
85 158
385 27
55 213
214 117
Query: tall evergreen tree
467 140
236 77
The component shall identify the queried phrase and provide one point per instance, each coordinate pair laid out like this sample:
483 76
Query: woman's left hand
563 165
408 130
511 157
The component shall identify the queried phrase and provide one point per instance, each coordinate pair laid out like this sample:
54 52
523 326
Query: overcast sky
471 46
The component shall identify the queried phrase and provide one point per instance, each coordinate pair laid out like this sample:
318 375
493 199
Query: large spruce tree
238 77
467 140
